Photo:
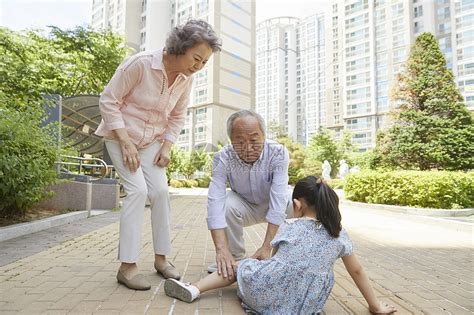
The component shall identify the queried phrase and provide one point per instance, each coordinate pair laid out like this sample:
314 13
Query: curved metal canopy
80 119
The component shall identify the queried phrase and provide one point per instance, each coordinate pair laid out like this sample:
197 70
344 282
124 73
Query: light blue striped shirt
263 182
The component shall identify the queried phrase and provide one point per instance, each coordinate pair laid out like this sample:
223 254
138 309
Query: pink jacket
138 99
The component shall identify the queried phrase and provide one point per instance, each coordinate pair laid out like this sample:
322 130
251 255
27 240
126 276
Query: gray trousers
240 213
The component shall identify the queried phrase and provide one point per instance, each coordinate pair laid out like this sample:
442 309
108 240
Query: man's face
247 138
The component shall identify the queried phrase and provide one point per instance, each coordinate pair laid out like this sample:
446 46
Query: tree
33 65
346 147
188 168
432 128
297 157
323 147
89 58
275 130
177 158
69 62
199 159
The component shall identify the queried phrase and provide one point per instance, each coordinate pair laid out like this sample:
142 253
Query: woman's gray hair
194 32
245 113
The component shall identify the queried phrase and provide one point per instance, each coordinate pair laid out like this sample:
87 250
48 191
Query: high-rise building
227 82
369 42
290 75
462 44
276 74
311 77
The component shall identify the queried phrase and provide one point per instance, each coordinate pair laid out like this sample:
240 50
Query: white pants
240 213
148 181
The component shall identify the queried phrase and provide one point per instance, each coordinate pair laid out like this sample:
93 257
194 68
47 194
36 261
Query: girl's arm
360 278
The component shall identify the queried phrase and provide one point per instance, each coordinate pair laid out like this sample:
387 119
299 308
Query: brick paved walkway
421 265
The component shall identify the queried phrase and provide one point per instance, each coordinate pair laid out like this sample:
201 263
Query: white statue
343 169
326 170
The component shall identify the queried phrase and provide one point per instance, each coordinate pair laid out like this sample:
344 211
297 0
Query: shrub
312 168
184 183
27 158
336 183
294 175
204 182
176 183
364 160
429 189
190 183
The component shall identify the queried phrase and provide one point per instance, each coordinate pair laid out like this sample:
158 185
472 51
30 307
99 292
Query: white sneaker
212 268
183 291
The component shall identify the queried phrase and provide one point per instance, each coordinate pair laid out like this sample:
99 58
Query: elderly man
257 173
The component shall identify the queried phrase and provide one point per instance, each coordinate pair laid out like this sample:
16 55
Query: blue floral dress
299 277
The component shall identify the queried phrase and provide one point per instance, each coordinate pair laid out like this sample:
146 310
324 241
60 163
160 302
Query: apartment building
290 75
368 43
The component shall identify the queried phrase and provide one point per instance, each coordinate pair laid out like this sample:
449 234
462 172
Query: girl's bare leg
213 281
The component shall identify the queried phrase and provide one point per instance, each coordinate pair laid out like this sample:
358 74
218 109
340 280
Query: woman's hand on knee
130 156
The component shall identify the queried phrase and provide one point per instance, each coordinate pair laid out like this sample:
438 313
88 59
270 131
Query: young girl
299 276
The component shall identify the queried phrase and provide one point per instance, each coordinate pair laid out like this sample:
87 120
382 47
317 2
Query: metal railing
97 170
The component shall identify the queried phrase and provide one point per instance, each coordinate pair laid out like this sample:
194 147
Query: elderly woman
143 109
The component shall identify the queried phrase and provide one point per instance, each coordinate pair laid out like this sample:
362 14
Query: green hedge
429 189
26 161
190 183
336 183
176 183
204 182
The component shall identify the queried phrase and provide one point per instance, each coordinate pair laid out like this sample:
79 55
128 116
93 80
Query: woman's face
194 59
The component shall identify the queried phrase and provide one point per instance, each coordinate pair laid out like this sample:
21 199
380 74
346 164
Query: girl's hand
264 252
130 156
382 308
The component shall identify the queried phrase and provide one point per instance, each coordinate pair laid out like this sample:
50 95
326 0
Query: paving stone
71 270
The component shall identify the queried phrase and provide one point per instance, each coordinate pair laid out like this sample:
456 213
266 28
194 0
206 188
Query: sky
23 14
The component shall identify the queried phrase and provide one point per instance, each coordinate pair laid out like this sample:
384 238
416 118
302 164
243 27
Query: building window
418 27
418 11
443 13
397 9
200 133
444 28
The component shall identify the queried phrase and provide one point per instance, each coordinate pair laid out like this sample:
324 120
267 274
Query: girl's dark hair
317 194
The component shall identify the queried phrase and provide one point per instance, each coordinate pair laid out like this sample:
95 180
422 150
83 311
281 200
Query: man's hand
225 263
162 158
263 252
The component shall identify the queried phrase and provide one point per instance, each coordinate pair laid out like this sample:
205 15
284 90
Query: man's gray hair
194 32
244 113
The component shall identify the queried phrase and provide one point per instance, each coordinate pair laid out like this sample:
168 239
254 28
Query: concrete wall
83 196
